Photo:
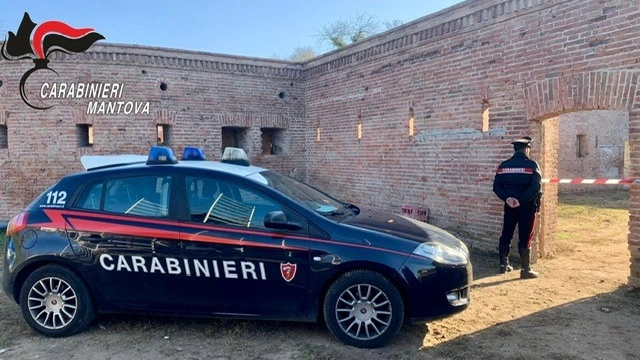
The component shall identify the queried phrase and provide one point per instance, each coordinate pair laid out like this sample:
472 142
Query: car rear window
138 195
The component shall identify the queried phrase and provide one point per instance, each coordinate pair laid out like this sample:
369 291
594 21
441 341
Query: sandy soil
580 308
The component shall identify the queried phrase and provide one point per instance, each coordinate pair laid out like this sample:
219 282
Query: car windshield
303 193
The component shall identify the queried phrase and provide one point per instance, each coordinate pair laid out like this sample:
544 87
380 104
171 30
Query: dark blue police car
154 235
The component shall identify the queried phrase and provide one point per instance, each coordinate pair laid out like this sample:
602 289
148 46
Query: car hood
401 226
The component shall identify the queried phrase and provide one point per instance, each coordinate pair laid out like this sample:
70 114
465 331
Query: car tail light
18 223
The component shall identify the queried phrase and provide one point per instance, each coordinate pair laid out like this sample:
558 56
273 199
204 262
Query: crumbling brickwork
592 144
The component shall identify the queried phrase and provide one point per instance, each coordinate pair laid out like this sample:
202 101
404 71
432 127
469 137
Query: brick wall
530 61
467 80
592 144
202 93
443 67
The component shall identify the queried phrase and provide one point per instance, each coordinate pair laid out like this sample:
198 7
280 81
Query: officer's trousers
524 216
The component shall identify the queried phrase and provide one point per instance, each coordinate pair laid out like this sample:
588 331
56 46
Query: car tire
363 309
55 302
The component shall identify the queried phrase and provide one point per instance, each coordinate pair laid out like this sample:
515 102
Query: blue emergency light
159 155
193 153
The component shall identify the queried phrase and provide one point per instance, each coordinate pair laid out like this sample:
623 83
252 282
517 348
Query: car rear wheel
363 309
55 302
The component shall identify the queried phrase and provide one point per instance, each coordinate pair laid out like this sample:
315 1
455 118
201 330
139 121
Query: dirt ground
580 308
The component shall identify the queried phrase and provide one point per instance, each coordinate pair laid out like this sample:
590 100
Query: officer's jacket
518 177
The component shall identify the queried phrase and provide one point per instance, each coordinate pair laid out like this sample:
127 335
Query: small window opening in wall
581 145
485 115
163 134
84 134
233 136
4 137
282 94
411 122
359 126
164 86
272 141
318 137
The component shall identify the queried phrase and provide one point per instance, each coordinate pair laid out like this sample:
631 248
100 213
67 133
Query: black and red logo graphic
288 271
47 37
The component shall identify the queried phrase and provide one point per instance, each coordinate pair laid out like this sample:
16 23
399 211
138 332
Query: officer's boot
525 258
504 259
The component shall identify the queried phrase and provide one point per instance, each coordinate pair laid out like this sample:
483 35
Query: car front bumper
436 290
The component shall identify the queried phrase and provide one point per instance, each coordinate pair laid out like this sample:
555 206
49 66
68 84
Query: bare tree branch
363 26
335 33
341 33
302 54
392 24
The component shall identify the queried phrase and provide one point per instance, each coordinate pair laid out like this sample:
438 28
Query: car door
122 231
237 265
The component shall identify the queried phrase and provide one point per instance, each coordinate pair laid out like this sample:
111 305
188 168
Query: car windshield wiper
336 212
353 208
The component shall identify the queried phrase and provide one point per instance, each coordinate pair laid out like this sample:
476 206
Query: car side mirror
278 220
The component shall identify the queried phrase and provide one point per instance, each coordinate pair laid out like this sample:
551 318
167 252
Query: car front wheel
55 302
363 309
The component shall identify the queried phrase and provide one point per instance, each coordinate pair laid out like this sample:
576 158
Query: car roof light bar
233 155
160 155
193 153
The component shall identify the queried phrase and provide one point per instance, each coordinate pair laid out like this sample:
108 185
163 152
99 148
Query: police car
153 235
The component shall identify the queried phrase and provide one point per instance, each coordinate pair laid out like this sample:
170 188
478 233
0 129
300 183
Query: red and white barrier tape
603 181
590 181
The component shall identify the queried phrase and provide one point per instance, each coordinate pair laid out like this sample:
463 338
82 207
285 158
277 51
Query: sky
257 28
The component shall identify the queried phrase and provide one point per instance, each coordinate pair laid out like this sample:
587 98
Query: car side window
226 203
140 195
91 197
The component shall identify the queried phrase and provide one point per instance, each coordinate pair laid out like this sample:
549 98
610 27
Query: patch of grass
311 352
600 198
581 215
596 217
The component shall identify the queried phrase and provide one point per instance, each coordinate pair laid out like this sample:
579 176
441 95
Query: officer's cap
525 141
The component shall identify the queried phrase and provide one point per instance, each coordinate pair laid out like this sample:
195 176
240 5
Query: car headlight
441 254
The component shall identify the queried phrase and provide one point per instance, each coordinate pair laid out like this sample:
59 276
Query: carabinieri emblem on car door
288 271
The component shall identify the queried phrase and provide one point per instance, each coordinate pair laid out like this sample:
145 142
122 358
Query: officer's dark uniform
520 178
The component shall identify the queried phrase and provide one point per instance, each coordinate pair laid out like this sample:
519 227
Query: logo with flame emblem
288 271
48 37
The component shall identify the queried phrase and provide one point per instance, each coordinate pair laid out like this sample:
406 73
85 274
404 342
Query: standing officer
518 183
